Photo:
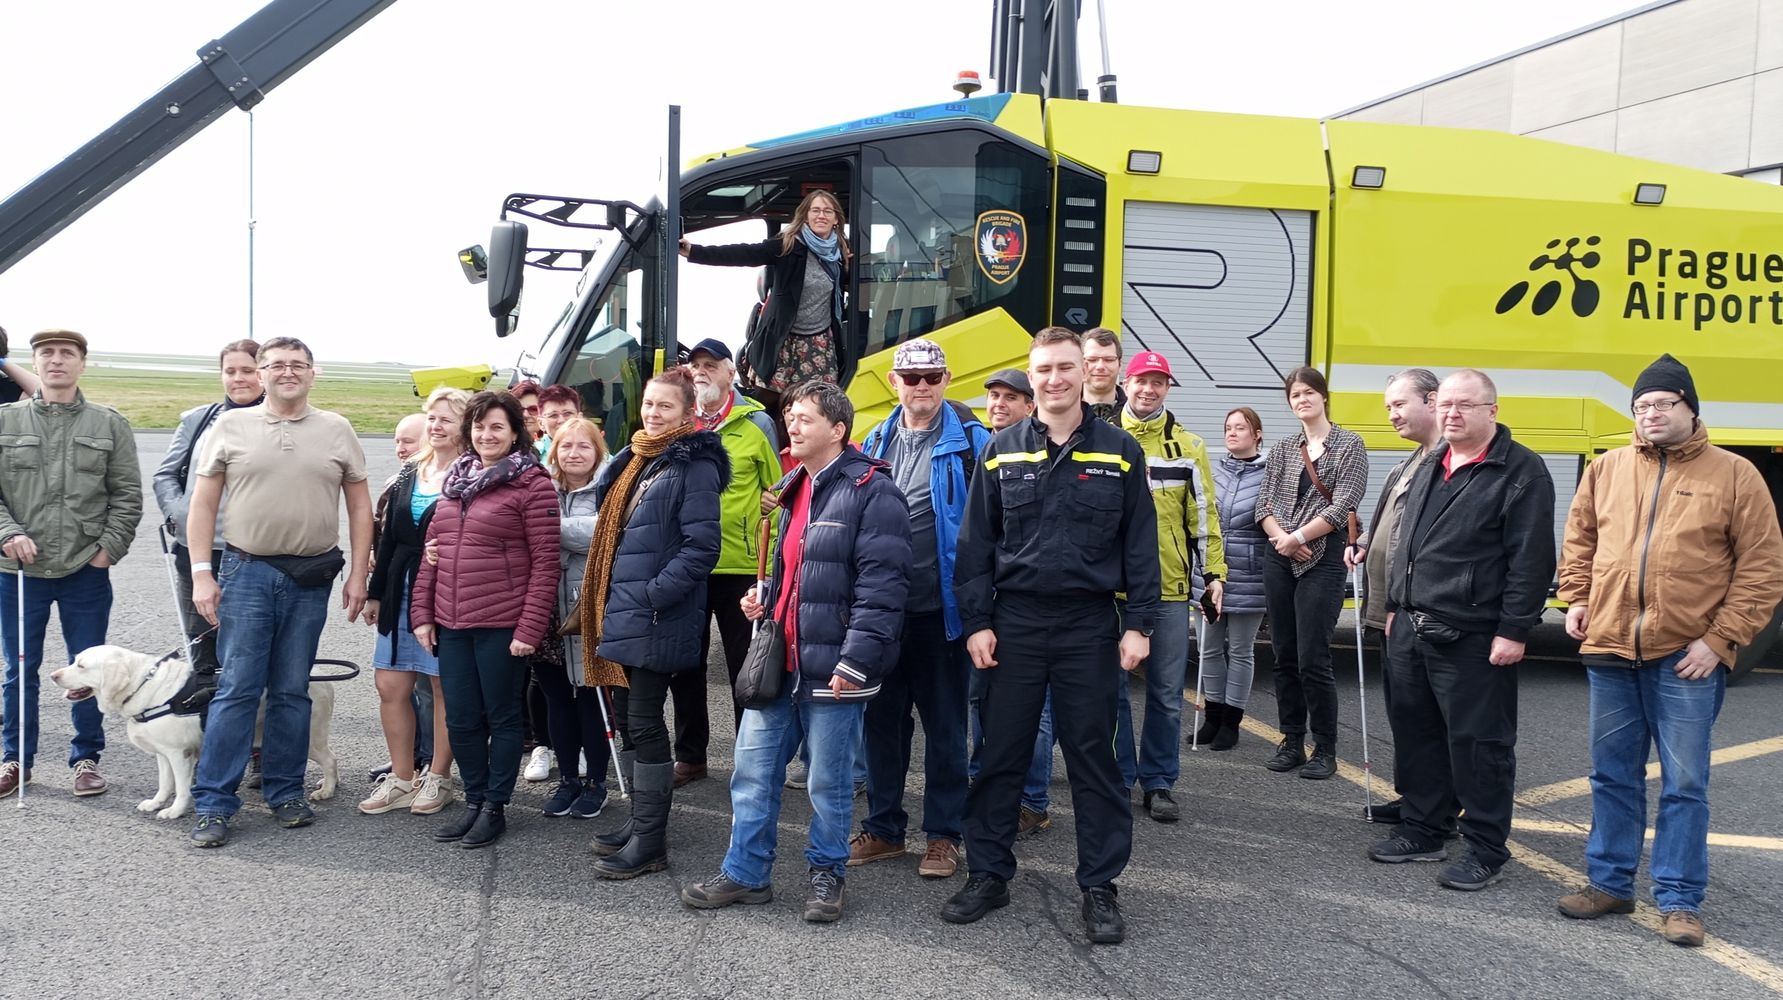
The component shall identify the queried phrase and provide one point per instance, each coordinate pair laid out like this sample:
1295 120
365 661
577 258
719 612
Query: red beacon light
967 83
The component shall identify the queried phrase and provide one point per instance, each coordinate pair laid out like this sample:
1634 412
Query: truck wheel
1754 655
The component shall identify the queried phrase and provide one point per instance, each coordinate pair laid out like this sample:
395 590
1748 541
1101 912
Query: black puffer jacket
786 282
656 603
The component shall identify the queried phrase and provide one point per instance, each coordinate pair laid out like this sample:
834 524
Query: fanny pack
1434 630
305 571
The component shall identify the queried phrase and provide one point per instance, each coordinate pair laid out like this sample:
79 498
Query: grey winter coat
578 509
1236 485
172 491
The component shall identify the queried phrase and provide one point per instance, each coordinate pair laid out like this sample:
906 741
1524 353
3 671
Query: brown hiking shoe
941 860
1032 822
1591 902
87 779
1682 927
865 849
11 777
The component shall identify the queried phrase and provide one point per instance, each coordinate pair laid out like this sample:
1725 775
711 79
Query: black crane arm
236 70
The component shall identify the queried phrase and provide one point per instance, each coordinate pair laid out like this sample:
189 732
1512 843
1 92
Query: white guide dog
127 683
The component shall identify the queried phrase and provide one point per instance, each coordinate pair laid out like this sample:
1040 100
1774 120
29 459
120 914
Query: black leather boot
610 842
1227 737
459 825
1323 763
490 825
648 849
1210 724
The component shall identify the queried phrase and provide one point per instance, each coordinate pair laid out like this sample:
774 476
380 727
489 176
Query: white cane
20 634
1362 695
600 695
1200 675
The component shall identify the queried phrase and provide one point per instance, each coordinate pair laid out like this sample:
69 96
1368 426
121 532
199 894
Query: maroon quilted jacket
498 561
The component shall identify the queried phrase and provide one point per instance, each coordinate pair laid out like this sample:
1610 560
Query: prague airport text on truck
1239 247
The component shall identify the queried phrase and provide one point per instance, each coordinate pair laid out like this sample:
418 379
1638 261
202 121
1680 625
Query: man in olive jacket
70 500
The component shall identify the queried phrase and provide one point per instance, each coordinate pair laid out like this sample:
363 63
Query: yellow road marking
1731 956
1575 787
1715 839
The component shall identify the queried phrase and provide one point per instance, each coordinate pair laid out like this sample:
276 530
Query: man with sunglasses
1466 583
287 466
932 445
1672 562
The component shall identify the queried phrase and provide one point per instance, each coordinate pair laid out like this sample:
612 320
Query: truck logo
1002 244
1585 293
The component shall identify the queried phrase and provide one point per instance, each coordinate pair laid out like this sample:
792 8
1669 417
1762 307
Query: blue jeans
1165 671
1035 794
931 678
267 644
765 743
83 602
485 690
1632 709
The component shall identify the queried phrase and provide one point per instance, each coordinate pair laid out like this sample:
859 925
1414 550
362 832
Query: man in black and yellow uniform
1059 520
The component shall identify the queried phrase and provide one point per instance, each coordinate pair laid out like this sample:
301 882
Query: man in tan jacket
1672 561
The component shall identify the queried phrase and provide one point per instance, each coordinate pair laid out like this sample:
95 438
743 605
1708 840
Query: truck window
954 223
607 365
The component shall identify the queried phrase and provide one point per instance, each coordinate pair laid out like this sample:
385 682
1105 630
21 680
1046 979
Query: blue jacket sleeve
975 559
700 535
881 565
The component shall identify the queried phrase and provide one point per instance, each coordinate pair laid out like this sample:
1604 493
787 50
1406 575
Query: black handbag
763 673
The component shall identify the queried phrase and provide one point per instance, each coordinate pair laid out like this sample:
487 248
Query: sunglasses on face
914 378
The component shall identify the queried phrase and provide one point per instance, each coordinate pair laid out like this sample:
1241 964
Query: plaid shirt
1343 468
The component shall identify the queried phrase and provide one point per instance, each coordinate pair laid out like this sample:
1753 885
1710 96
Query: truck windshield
604 356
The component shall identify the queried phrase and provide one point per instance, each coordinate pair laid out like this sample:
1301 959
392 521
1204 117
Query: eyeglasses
820 210
531 411
1461 408
291 367
1662 405
912 378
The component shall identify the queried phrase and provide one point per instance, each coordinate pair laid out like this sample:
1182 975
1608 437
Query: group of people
999 583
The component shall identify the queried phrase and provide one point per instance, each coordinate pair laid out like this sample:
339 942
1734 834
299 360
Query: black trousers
575 722
1454 738
693 729
204 653
646 730
1303 613
1074 647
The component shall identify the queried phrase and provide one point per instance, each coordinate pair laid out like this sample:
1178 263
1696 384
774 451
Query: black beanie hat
1668 374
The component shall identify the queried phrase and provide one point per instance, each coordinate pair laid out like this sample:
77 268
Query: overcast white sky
390 152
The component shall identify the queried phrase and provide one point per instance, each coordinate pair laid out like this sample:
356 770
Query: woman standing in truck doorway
1312 484
798 335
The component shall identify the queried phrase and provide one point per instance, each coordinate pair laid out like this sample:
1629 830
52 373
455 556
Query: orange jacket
1669 546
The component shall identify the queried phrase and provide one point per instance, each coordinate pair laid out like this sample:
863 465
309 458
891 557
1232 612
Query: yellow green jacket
1190 551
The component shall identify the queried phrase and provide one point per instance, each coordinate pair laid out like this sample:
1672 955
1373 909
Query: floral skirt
805 359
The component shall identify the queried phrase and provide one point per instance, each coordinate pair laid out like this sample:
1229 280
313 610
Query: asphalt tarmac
1263 890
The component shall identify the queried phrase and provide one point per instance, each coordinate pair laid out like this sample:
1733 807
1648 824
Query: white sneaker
388 795
432 795
798 774
539 767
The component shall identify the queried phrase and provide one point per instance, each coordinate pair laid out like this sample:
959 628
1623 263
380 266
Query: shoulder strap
967 420
1324 491
204 422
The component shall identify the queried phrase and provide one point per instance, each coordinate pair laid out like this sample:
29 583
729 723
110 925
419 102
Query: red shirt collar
1448 456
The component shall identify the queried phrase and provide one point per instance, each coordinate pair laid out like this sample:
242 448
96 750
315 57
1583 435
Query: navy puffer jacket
852 577
656 603
1236 485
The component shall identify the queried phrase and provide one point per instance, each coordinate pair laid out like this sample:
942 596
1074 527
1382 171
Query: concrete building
1692 82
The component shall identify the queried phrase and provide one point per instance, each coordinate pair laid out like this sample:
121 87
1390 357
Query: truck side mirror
505 264
475 263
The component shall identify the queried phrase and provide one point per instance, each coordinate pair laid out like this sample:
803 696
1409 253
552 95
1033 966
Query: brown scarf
597 670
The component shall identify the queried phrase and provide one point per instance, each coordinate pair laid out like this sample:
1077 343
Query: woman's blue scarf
828 251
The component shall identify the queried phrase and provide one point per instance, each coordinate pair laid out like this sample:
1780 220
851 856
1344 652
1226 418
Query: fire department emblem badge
1002 244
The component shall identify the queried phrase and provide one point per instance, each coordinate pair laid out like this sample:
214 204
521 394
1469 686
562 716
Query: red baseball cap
1146 362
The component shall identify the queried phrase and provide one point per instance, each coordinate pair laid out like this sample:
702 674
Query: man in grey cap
70 500
933 446
1008 398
